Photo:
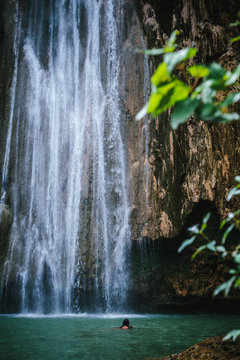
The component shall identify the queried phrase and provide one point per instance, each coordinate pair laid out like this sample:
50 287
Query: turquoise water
97 336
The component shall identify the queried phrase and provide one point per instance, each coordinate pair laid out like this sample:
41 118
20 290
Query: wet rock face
195 164
5 225
5 220
200 160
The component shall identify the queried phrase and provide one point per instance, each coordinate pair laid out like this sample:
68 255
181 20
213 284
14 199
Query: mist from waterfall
70 236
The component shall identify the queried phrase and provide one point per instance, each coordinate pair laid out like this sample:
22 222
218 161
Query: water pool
97 337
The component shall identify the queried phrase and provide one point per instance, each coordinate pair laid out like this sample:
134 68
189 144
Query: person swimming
125 325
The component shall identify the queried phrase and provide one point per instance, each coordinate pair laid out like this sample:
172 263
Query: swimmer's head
125 322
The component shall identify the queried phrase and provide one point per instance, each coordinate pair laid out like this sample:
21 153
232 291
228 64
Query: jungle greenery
192 90
206 93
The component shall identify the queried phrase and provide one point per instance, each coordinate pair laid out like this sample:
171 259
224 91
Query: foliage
192 89
232 334
198 231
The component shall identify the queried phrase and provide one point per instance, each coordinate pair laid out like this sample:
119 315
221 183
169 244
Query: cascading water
70 233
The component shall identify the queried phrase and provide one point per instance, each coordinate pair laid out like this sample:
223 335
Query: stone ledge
209 349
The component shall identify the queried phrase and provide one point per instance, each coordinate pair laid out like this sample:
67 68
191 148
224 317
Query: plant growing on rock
222 249
193 91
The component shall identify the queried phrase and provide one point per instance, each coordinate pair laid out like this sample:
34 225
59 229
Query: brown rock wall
200 160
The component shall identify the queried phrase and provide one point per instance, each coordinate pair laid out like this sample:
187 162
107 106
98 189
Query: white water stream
70 232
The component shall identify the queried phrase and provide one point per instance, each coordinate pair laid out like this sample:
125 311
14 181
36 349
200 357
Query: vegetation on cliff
207 93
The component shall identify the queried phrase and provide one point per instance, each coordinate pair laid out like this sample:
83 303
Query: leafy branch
193 91
196 94
197 232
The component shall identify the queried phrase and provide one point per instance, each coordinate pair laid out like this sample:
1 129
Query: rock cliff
198 161
190 171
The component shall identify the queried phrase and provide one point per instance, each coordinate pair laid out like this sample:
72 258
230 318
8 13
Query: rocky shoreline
213 348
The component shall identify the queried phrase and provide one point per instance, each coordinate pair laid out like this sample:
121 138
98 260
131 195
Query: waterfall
70 235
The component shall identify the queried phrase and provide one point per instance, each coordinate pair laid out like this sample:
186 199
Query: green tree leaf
182 111
232 334
227 232
173 59
226 286
206 218
186 243
237 38
233 192
161 75
230 99
198 71
212 246
200 249
233 77
237 23
217 72
222 118
221 249
206 111
166 96
173 37
194 229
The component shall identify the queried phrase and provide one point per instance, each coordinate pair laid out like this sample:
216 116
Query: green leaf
237 258
223 223
233 192
156 98
172 59
206 111
227 232
206 91
230 99
234 76
232 334
194 229
237 283
161 75
186 243
220 248
237 23
173 37
165 102
169 49
206 218
237 38
183 110
222 118
198 71
217 72
200 249
154 102
226 286
203 227
167 95
211 246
